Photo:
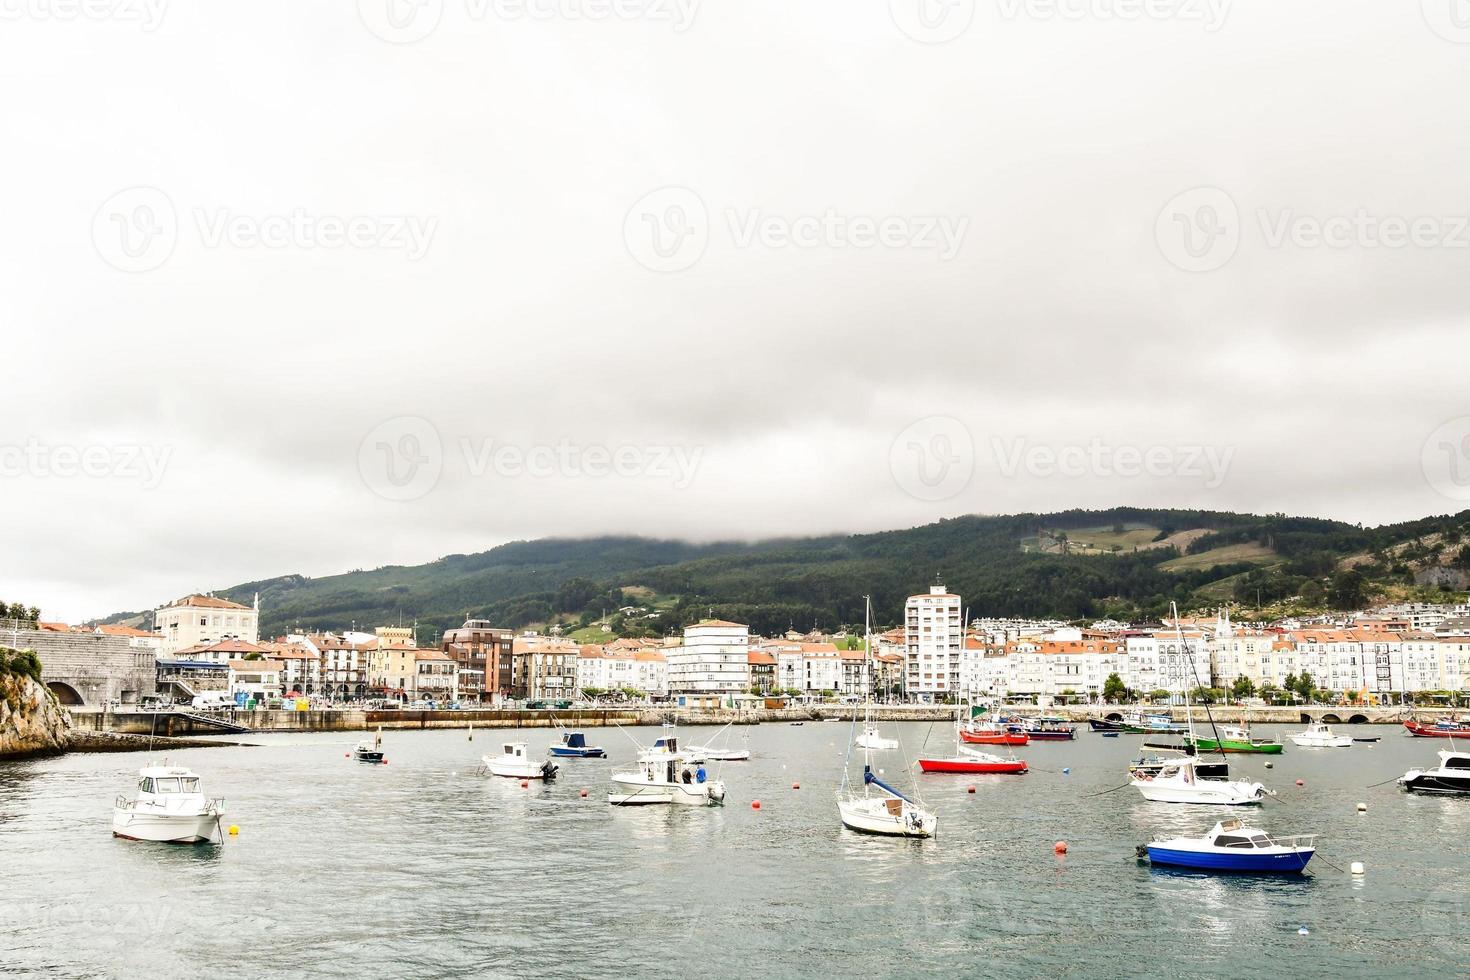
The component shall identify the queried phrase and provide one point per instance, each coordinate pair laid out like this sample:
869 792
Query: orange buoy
796 785
1300 783
755 804
346 755
584 794
1060 847
970 790
525 783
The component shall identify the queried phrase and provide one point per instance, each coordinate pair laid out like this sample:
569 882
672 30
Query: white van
212 699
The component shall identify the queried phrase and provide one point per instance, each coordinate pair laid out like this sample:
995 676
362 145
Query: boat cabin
574 740
168 782
1455 760
668 743
1234 833
513 750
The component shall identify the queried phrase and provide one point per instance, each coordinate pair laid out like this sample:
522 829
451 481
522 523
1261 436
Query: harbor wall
175 724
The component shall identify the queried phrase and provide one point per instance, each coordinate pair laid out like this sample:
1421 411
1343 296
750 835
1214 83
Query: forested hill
1123 563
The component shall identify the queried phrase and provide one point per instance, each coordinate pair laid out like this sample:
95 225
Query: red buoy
796 785
1300 783
755 804
1060 847
584 794
970 790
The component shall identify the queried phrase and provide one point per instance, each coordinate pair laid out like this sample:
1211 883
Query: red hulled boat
1444 728
974 762
991 737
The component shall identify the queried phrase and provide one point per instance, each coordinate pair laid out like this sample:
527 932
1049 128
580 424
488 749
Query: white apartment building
933 634
258 679
712 663
202 620
1161 661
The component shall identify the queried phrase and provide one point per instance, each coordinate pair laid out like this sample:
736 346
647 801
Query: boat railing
125 803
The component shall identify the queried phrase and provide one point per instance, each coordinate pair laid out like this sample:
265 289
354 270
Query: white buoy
1362 808
1270 765
1357 868
1304 931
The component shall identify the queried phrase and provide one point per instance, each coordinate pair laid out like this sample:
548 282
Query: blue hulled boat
1233 847
574 746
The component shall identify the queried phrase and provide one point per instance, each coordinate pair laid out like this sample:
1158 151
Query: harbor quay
168 724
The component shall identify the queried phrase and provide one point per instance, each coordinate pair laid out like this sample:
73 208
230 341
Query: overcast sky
304 287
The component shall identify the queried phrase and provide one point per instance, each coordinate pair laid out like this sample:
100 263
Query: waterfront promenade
191 722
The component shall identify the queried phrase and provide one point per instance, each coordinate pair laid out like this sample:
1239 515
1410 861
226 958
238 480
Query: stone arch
1358 720
1114 716
1331 719
65 693
1306 719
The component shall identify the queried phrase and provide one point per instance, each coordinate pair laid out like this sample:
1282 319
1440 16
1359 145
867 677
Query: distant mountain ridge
1123 562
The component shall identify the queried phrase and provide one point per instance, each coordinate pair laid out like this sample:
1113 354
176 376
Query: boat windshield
176 784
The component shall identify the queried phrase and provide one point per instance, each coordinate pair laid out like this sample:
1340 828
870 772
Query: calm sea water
423 868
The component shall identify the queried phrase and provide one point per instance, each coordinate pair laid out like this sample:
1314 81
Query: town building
933 634
483 652
200 620
712 666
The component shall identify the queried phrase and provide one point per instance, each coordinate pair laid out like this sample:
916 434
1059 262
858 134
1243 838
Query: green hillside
1126 563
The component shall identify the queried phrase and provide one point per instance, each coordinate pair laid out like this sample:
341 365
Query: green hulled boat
1234 740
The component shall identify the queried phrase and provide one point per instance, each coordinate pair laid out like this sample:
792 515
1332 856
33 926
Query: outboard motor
548 770
716 791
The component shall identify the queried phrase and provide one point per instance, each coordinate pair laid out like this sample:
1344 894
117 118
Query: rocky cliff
31 722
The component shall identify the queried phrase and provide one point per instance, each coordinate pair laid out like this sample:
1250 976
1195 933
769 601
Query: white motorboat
1231 846
876 807
1319 736
663 774
169 808
872 739
514 763
710 752
1178 781
1452 776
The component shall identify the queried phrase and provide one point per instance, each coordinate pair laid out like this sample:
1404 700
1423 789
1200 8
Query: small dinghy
1231 846
514 763
574 746
368 751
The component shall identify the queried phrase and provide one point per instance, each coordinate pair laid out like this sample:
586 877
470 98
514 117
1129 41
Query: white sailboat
1180 781
876 807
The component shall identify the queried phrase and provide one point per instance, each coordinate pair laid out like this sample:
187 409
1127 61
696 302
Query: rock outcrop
31 722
